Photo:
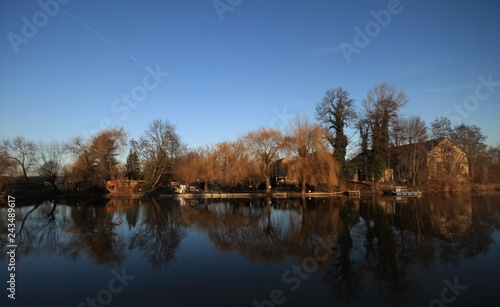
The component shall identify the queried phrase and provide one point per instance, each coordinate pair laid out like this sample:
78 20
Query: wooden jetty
216 195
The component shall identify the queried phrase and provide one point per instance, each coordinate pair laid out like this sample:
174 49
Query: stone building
437 160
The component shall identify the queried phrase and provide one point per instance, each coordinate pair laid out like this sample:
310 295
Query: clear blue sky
238 68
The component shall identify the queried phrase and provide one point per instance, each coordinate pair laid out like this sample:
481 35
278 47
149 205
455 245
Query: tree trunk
414 166
303 187
26 176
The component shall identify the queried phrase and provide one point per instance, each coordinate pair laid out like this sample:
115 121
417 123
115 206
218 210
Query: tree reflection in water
344 272
239 225
265 230
49 228
93 233
158 234
42 232
385 262
376 242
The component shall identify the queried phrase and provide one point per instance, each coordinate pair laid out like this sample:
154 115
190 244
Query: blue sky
222 71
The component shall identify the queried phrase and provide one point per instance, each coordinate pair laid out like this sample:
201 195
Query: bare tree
243 166
96 158
7 170
21 153
229 163
225 164
190 166
207 165
158 148
264 145
6 164
492 165
441 128
381 106
397 132
415 132
398 138
312 161
363 126
472 141
51 161
335 113
415 129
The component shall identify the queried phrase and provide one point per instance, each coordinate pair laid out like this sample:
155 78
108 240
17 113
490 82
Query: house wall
446 161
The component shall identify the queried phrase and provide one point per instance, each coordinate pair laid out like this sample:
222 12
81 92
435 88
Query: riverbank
485 187
241 195
249 195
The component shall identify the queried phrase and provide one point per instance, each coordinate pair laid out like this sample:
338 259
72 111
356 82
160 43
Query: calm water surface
433 251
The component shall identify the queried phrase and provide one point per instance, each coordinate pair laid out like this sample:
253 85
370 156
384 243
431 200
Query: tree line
315 153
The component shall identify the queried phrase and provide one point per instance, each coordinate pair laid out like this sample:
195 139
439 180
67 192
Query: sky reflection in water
384 251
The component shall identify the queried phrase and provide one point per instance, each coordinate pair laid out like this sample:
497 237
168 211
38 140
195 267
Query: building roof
424 146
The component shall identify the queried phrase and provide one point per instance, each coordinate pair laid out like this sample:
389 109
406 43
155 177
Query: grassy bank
485 186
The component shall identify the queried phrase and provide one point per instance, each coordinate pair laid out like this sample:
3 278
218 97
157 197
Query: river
437 250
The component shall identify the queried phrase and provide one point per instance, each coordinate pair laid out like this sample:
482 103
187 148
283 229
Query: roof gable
425 146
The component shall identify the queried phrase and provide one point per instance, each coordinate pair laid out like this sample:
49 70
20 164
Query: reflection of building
447 219
451 223
126 188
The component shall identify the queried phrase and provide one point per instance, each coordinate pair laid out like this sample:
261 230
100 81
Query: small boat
353 193
403 191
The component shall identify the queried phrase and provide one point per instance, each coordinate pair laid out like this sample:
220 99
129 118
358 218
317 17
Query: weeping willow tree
311 162
264 145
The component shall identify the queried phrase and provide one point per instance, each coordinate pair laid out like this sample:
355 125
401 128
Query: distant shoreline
230 195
